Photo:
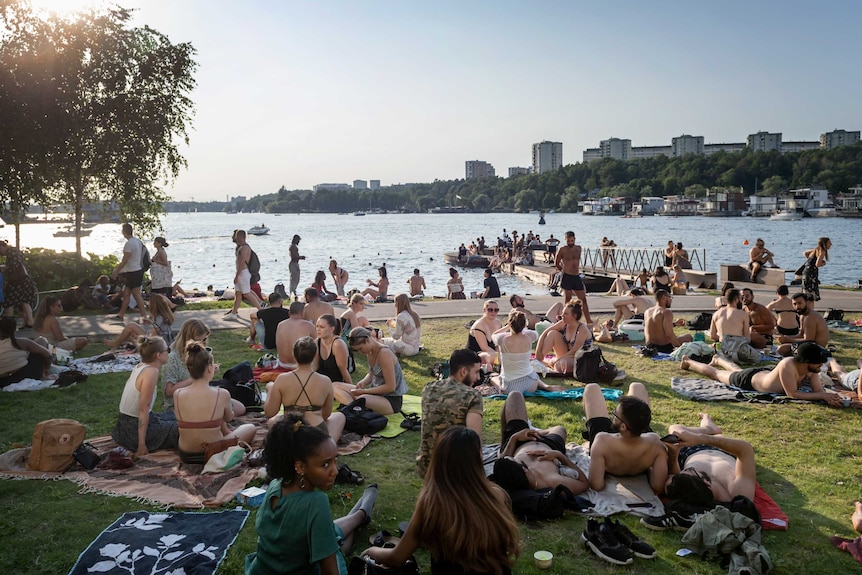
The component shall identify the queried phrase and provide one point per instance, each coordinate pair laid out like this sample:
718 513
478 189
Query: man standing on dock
569 263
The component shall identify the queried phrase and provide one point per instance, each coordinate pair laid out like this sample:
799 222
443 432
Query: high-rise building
331 187
360 185
547 156
374 184
764 142
616 148
686 144
791 147
479 169
517 171
591 154
837 138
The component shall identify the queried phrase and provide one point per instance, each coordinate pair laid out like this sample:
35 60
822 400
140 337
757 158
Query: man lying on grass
787 377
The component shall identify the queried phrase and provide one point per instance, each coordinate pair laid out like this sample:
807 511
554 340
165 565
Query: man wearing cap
622 443
787 377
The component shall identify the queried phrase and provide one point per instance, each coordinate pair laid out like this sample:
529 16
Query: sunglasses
493 309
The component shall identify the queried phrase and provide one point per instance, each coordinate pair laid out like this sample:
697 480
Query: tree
117 107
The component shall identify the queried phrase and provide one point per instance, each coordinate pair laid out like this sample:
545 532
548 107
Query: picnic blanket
620 495
148 543
855 326
410 404
120 362
29 385
698 389
575 393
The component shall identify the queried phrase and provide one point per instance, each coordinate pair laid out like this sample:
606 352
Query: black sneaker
600 539
629 540
673 520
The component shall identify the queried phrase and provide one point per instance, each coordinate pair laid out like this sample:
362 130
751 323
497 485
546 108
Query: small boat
542 219
469 261
358 213
70 233
785 216
260 230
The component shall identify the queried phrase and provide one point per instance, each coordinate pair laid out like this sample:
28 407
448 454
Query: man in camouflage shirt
450 401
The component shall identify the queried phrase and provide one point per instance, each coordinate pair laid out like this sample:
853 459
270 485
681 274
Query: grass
808 460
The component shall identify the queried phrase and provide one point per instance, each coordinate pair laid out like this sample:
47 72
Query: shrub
61 270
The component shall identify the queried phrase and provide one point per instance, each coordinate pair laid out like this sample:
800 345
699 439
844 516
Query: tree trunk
79 207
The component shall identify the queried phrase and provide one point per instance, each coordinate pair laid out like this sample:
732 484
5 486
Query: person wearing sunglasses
621 442
479 338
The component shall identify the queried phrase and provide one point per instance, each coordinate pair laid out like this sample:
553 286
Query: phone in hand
670 438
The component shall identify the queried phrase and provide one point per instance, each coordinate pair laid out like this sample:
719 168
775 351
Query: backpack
700 322
145 258
548 503
361 420
239 382
54 444
587 363
279 289
254 268
835 315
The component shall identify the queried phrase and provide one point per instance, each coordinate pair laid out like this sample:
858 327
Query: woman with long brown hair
463 519
815 259
564 338
46 325
514 343
405 329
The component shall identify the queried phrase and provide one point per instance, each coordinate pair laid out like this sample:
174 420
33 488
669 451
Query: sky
299 93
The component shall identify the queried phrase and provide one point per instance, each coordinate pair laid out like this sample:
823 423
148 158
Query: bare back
617 455
721 468
303 389
729 321
315 309
814 328
656 322
286 334
197 403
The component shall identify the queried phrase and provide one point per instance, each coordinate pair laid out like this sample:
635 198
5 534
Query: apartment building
547 156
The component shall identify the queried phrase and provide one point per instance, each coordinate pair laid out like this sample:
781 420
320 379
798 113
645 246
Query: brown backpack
54 442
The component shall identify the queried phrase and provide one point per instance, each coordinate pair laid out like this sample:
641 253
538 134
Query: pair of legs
128 294
26 313
293 268
376 403
131 331
247 295
622 310
399 347
244 432
371 291
563 361
619 287
358 516
707 426
515 409
595 404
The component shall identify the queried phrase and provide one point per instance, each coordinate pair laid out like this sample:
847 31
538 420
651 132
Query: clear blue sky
299 93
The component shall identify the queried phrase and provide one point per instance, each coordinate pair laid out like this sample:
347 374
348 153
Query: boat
358 213
449 210
260 230
542 219
470 261
70 233
785 216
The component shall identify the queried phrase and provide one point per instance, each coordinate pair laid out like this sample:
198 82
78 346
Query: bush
61 270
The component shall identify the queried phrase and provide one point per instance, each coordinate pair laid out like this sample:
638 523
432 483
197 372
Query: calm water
202 253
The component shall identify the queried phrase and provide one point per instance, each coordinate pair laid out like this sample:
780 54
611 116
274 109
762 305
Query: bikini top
211 424
302 391
569 344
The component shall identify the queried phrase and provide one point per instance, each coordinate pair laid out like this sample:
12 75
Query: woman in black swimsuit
306 392
333 357
660 280
479 338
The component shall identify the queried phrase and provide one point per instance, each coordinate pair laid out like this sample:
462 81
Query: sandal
384 539
347 476
411 421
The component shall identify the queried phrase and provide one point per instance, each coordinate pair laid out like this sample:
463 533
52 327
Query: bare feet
714 361
109 342
683 365
707 423
857 517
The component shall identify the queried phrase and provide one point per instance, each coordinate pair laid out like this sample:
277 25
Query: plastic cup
543 559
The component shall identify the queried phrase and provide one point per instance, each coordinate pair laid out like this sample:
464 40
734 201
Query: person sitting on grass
295 530
384 385
622 443
659 324
515 343
314 307
305 391
138 428
46 325
481 330
353 316
533 458
786 378
20 358
337 363
553 314
264 322
161 324
405 329
705 467
202 410
463 519
564 338
631 307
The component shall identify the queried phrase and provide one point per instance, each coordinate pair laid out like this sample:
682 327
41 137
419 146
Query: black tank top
328 366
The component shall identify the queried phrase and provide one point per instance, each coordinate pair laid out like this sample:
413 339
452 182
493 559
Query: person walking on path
569 263
132 267
20 289
242 279
293 266
815 259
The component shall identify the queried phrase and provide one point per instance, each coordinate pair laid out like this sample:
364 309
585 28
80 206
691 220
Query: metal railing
630 261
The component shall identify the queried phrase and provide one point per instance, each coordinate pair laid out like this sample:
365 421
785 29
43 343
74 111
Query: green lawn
808 460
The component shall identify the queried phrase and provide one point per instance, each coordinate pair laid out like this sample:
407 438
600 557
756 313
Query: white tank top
131 399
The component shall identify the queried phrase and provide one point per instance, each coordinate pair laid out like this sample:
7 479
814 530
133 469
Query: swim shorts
742 379
243 284
572 282
787 330
666 348
552 440
850 380
686 452
134 279
597 425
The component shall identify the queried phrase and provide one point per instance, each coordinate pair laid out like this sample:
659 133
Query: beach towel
576 393
410 404
698 389
659 356
29 385
773 518
855 326
147 543
121 362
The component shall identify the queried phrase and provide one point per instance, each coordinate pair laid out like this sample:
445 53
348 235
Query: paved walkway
600 305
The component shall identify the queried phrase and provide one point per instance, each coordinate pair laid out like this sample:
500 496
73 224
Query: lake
202 253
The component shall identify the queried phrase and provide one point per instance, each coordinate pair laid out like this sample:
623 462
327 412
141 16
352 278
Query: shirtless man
730 326
813 326
314 308
417 284
533 458
622 443
658 325
290 330
758 257
551 250
633 305
704 467
293 266
761 320
568 261
786 377
552 315
242 279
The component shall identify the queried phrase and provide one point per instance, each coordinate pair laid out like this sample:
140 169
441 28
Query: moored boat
785 216
260 230
70 233
469 261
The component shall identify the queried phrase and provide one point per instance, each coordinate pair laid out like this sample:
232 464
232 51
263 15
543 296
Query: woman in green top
295 531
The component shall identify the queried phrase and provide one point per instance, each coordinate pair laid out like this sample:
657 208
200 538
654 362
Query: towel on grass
410 404
143 542
773 518
29 385
575 393
659 356
121 362
698 389
851 546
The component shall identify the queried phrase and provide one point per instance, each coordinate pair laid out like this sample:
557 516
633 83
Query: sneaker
673 520
629 540
231 315
249 340
600 539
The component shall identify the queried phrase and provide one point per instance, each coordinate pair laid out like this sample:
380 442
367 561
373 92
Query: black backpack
835 315
700 322
548 503
254 267
361 420
145 257
239 382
